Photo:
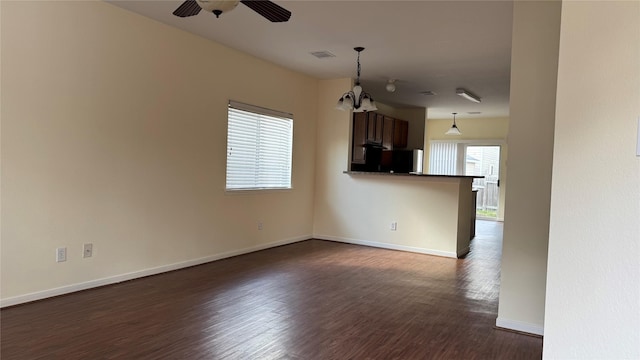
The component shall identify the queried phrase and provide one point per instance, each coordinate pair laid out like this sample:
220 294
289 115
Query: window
259 147
444 158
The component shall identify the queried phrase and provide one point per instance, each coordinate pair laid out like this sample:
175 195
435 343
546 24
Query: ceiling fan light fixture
264 8
468 95
357 99
454 128
217 7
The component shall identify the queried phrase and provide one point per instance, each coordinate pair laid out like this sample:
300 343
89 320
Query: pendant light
454 128
356 99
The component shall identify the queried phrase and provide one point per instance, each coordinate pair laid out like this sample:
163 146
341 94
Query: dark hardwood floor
310 300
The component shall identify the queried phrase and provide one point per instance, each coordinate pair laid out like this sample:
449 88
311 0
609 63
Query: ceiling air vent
428 93
322 54
474 112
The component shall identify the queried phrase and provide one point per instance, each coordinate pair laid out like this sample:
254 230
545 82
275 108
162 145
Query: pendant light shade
357 99
454 128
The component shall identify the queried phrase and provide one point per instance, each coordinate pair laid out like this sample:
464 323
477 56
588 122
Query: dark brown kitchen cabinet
387 133
378 132
359 138
400 134
374 128
395 133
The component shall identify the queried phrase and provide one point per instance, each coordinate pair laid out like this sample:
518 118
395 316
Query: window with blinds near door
259 148
443 158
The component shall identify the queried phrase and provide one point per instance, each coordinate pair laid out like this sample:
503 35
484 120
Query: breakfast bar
439 211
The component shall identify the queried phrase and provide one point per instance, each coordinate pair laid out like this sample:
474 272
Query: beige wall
483 131
360 208
534 62
114 133
593 277
471 128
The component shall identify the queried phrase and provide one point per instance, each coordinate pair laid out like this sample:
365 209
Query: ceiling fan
266 8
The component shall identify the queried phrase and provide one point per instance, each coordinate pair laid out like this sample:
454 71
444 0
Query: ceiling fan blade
271 11
188 8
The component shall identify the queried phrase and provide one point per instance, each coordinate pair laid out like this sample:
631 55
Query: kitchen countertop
410 174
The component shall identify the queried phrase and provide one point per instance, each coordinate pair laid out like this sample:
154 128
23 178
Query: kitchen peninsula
439 218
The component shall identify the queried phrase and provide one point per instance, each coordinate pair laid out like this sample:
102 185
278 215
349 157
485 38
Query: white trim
376 244
38 295
520 326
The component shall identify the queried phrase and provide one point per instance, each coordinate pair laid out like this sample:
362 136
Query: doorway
484 160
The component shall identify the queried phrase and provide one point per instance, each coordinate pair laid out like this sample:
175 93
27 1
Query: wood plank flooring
310 300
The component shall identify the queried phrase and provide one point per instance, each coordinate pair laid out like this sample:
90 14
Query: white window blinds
443 158
259 148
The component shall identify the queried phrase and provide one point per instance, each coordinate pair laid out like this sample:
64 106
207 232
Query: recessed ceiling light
428 93
322 54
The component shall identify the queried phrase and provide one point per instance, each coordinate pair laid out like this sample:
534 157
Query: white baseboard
387 246
39 295
520 326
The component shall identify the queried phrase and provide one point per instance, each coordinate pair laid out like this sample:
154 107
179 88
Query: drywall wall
481 131
472 128
360 208
593 277
114 133
534 63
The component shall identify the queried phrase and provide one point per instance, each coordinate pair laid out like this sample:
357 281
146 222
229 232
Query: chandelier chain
358 78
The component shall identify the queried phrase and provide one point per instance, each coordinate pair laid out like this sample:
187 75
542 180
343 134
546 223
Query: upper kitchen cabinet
371 129
400 134
394 133
360 132
374 128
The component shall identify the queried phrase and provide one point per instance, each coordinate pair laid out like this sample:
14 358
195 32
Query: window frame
267 116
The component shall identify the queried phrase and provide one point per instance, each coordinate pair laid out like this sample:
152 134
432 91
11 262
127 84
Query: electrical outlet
260 226
394 226
87 250
61 254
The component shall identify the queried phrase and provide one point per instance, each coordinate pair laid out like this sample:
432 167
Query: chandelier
357 99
